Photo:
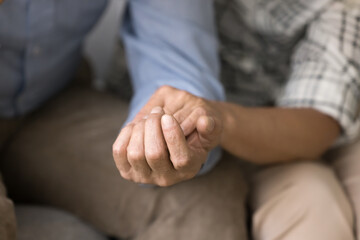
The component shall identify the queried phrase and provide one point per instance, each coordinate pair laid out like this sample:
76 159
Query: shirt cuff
142 96
213 158
337 99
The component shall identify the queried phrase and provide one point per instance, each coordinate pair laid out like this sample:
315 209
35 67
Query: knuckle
154 154
145 180
118 150
164 182
126 175
165 89
182 162
115 150
139 126
183 94
140 178
134 155
201 110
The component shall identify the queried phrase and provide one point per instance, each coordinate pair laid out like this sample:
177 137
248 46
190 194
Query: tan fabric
347 166
300 201
44 223
62 157
7 214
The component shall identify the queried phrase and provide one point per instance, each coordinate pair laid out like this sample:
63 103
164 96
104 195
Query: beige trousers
62 157
300 201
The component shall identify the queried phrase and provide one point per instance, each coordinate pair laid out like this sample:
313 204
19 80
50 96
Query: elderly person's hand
169 139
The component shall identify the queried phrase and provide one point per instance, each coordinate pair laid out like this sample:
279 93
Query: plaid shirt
289 53
293 53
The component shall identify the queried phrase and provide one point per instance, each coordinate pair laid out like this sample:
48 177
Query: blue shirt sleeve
172 42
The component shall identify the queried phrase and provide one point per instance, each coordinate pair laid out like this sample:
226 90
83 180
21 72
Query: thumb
208 130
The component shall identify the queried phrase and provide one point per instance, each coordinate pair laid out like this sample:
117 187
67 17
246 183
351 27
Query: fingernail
156 110
167 121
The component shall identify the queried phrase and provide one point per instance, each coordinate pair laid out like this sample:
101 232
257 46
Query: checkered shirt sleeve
325 67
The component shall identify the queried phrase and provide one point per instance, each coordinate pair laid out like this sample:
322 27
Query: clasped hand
169 139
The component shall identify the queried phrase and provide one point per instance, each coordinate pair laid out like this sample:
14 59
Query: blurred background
101 42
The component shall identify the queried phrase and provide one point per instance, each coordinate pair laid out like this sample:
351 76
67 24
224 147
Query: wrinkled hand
170 144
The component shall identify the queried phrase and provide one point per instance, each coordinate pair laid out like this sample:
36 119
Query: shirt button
36 50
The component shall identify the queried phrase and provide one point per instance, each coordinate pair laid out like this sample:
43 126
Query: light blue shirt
170 42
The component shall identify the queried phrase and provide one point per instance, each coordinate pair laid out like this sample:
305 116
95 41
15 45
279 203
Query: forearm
171 43
269 135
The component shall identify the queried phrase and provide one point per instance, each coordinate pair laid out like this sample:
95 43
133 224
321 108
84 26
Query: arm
168 43
171 43
320 102
269 135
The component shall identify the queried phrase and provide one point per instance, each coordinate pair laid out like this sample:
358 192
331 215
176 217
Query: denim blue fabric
40 48
168 42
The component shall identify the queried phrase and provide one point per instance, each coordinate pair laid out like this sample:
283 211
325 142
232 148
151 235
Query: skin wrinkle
155 144
172 138
234 126
179 169
185 154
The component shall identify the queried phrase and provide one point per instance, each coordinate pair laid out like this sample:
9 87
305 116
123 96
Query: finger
169 98
156 151
189 124
203 138
136 153
155 100
205 125
119 149
182 114
176 142
206 135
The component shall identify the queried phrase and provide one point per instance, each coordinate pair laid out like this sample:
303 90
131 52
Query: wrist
225 119
230 115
